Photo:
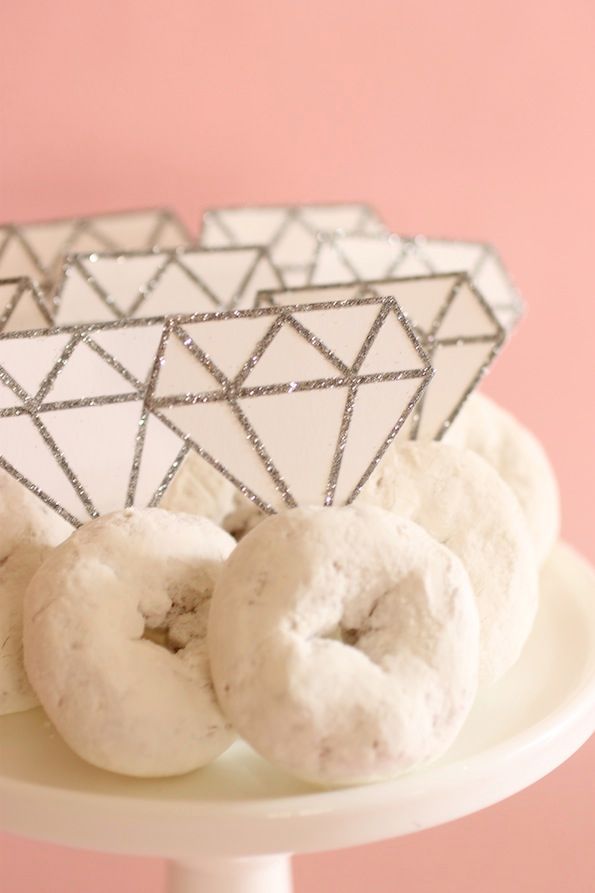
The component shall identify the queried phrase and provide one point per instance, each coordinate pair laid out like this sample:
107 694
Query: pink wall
462 118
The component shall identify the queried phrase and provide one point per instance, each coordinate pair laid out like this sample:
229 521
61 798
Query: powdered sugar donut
28 531
102 618
344 643
199 489
462 502
490 431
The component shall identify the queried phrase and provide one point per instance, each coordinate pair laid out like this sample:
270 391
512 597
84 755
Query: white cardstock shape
373 257
37 250
293 234
97 417
101 287
455 326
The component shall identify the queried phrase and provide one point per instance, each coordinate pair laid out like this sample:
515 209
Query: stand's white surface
228 828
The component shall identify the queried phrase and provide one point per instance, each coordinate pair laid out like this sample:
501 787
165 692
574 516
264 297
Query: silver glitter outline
294 213
428 340
414 245
171 257
80 224
24 287
83 332
228 395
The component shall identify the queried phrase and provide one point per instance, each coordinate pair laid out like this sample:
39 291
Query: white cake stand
229 828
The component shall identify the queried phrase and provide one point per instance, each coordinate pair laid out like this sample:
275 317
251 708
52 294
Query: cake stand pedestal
259 874
229 828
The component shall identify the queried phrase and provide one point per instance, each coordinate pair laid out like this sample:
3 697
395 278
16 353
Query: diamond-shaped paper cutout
117 435
136 284
261 425
445 311
21 306
361 258
292 234
36 250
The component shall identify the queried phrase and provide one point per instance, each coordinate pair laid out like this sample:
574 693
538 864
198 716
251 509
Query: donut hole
350 630
380 624
183 618
159 636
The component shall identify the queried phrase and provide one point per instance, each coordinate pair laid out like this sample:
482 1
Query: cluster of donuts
345 645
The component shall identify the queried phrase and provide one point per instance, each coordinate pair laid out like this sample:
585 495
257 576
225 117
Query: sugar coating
344 643
464 504
115 641
29 530
519 458
199 489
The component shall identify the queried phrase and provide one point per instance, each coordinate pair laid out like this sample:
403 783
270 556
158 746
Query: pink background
453 118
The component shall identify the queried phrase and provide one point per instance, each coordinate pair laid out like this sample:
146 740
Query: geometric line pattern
459 332
222 353
360 258
37 249
21 305
137 283
292 234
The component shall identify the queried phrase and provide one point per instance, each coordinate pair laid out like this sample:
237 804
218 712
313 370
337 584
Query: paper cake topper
22 306
294 405
97 287
454 324
363 258
292 233
36 250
